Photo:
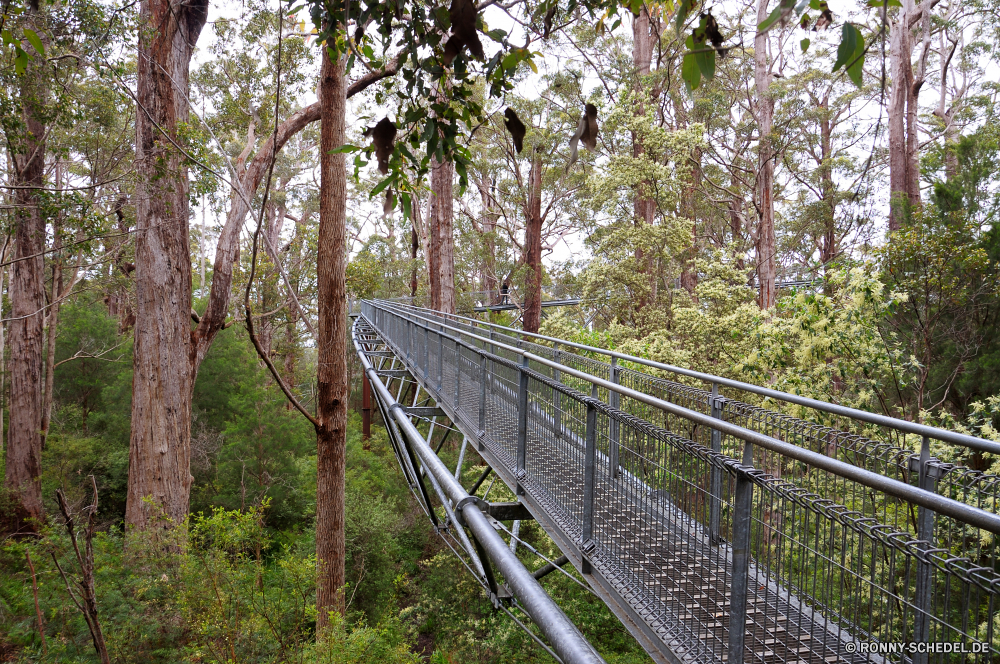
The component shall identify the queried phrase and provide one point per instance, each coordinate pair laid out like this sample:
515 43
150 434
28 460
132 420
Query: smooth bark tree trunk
434 238
689 272
904 170
532 317
643 206
331 396
52 330
3 350
414 248
159 479
442 219
766 263
22 476
490 217
828 251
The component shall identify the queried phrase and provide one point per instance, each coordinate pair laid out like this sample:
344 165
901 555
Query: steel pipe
567 641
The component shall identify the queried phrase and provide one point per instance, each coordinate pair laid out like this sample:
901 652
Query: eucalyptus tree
529 195
26 146
41 72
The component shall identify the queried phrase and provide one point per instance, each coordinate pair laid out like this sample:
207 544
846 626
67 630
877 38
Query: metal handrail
960 511
904 426
566 639
637 467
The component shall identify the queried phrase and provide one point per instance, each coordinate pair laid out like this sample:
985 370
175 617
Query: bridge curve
717 527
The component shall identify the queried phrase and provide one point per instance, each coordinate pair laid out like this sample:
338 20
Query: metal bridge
720 521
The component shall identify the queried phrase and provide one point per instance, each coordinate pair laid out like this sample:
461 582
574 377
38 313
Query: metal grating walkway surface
710 548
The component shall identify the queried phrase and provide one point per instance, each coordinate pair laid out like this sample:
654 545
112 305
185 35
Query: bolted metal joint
483 506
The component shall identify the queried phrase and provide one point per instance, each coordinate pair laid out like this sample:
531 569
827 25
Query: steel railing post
589 468
427 354
614 400
458 372
482 401
928 476
522 423
440 357
556 394
715 490
743 505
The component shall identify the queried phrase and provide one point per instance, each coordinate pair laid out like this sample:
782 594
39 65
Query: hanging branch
256 236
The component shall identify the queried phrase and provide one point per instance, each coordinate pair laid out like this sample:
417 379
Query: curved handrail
953 437
955 509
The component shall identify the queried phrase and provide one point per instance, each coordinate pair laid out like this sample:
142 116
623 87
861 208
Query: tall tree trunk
53 319
828 194
643 207
159 479
689 272
901 73
434 238
533 248
414 248
331 396
922 14
27 294
766 267
490 217
3 344
441 184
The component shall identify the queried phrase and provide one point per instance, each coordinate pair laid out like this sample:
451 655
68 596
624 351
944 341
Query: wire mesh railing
709 514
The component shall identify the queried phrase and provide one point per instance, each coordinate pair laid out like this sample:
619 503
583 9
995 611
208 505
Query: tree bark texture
434 239
904 171
442 177
414 247
159 479
22 477
331 397
532 317
766 265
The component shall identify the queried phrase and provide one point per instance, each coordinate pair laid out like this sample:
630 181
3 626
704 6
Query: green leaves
690 71
851 53
35 42
20 55
779 13
683 10
703 44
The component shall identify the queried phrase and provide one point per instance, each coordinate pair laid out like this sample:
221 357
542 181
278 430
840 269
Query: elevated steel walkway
717 528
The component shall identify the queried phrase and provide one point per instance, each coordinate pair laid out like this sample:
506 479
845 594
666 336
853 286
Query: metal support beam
615 402
740 573
590 452
927 479
522 424
550 567
479 482
566 640
423 411
461 458
366 408
509 512
715 490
